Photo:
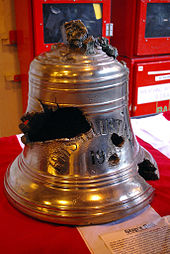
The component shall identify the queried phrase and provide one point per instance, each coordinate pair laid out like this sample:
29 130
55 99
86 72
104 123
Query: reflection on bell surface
80 161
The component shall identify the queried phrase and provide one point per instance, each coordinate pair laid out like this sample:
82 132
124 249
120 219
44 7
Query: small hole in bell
114 159
147 170
117 140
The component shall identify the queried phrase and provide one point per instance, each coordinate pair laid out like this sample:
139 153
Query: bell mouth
71 199
80 208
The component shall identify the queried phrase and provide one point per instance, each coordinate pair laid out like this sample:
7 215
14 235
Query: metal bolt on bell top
80 162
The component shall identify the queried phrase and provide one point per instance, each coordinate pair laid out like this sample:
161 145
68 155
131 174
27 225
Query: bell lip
83 219
80 221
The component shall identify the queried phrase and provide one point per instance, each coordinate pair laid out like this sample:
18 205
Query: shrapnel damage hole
117 140
66 122
114 159
147 170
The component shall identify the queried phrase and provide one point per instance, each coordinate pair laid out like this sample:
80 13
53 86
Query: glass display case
55 15
157 20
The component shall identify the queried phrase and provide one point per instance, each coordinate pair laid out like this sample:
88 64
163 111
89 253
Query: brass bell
81 159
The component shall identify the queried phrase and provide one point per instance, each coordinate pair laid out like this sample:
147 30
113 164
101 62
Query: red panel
129 21
148 73
13 37
163 106
123 17
40 46
149 46
23 10
141 78
154 77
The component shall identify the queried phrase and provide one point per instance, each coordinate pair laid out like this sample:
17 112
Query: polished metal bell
91 176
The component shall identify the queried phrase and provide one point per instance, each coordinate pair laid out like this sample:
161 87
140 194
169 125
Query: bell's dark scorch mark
147 170
66 122
78 38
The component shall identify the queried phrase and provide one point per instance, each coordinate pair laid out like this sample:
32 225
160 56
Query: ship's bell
81 159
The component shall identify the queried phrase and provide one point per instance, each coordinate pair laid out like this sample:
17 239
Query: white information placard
152 238
92 234
153 93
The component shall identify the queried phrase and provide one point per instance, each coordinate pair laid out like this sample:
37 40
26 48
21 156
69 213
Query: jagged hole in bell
66 122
